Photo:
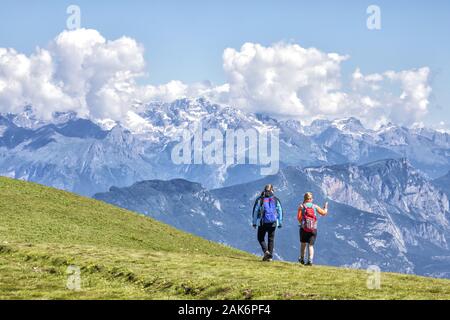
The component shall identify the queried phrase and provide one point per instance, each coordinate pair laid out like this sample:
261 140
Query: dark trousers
268 228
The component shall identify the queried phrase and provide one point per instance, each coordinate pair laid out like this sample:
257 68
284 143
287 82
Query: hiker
307 217
267 215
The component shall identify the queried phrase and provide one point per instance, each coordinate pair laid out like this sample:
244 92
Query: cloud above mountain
291 81
80 70
284 79
408 106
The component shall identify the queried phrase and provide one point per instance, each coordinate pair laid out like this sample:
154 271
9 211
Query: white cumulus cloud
25 80
291 81
414 100
82 71
284 79
402 97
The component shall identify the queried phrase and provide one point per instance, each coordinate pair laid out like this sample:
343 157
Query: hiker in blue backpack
267 216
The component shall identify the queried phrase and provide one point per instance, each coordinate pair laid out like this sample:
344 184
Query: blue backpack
269 209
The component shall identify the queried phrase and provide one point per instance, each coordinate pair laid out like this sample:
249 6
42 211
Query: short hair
268 187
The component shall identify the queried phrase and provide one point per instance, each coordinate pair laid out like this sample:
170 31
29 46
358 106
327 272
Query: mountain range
89 156
384 213
388 188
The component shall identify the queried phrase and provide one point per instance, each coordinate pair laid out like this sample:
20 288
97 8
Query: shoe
309 263
267 256
301 261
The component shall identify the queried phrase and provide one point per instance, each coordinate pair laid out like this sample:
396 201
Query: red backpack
309 218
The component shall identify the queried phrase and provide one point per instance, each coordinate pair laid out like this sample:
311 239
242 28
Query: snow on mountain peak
155 127
137 124
106 124
350 126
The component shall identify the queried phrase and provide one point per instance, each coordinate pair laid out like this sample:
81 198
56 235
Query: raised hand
325 208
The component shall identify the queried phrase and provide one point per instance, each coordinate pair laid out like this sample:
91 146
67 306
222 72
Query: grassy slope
123 255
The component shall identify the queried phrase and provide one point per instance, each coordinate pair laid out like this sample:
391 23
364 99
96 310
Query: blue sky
185 40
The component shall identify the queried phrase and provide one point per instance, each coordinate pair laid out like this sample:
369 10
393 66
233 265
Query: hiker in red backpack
307 217
267 215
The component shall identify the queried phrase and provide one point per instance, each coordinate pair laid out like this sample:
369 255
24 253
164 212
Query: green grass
123 255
